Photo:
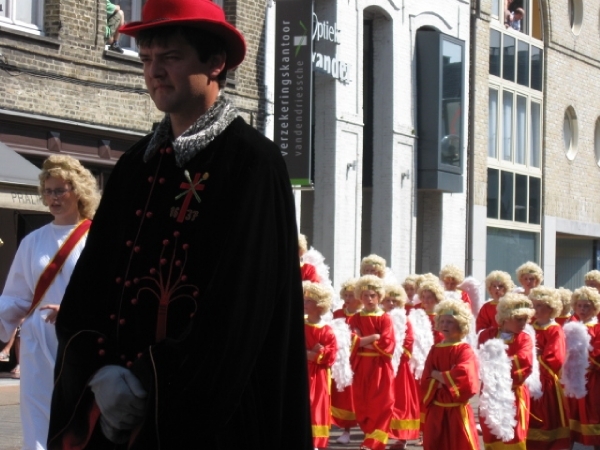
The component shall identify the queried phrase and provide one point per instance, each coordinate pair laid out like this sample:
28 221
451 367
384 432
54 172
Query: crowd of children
420 350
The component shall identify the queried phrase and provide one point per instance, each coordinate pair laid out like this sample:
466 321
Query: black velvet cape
204 306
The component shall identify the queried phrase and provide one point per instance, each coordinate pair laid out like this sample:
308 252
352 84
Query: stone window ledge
44 40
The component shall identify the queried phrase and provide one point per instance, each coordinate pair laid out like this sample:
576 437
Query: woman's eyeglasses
56 193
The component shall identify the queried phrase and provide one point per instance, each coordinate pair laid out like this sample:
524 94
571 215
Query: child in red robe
308 272
449 380
321 349
372 349
585 412
513 313
497 284
452 276
342 404
430 294
529 276
373 265
566 315
410 287
405 419
549 417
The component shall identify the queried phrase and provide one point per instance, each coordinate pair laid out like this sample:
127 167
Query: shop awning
18 182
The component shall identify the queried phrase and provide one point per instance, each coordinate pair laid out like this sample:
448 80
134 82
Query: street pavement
10 425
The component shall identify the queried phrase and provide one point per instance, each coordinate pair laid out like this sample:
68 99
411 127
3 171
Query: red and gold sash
58 261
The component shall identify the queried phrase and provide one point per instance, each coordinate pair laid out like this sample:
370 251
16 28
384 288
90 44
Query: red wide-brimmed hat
203 14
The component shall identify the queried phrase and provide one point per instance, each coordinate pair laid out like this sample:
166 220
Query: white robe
38 338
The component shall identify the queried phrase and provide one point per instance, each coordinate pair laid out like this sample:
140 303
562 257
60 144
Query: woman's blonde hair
433 287
587 293
459 310
369 282
513 305
82 181
530 268
565 297
397 293
502 277
375 261
452 271
548 296
321 295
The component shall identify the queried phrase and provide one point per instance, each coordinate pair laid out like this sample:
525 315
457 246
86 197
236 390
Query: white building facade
369 195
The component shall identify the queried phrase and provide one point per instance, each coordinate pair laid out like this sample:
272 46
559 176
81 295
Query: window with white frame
514 188
24 14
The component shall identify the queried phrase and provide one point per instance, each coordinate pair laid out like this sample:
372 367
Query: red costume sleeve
595 343
409 341
309 273
520 351
462 380
328 352
428 385
465 297
486 317
553 353
386 343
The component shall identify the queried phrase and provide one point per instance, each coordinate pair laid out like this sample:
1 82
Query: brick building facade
536 142
63 91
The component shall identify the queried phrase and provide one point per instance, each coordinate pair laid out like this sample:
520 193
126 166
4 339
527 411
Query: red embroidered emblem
190 190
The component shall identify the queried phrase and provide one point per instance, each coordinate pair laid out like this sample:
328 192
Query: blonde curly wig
373 261
410 280
589 294
319 293
397 293
530 268
513 305
433 287
592 275
426 278
500 276
347 285
82 181
548 296
459 310
452 271
369 282
565 297
302 244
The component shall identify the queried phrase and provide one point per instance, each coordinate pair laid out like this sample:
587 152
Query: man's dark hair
205 43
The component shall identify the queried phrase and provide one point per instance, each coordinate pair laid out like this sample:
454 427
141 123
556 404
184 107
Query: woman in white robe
70 192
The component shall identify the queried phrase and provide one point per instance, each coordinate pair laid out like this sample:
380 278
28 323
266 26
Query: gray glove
121 399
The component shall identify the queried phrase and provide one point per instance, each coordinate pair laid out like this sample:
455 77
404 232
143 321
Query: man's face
178 82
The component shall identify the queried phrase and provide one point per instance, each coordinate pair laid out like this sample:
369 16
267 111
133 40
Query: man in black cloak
182 325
